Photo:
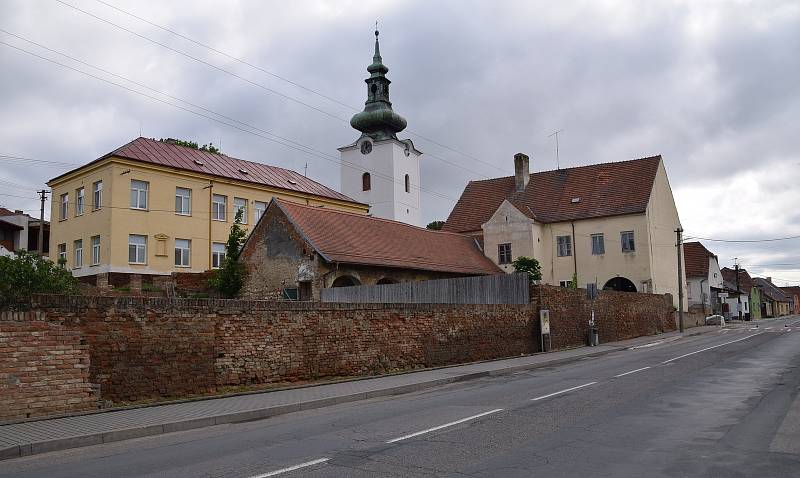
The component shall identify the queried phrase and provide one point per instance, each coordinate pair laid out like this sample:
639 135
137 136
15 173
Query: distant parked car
715 320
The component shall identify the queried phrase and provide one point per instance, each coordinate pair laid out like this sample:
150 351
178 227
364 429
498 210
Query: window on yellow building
79 202
137 249
95 250
78 247
183 201
97 195
139 191
258 211
219 204
64 207
183 251
240 204
217 254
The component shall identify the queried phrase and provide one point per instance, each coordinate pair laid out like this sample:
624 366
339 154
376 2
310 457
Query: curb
46 446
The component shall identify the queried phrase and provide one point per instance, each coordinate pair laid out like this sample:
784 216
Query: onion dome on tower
378 120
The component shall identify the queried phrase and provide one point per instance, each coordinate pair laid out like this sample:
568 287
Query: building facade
379 169
19 231
153 207
704 279
297 250
611 224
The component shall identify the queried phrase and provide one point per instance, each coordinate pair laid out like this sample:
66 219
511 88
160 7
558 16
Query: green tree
192 144
229 278
530 266
574 282
436 225
27 273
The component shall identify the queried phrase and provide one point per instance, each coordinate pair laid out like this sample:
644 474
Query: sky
712 86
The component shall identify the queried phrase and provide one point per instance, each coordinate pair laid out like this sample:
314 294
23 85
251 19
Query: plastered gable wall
509 225
663 220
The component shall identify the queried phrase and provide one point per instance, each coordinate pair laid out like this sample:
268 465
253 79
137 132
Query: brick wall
43 368
618 315
140 348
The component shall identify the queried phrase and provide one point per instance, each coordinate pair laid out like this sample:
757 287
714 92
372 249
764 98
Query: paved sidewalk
27 438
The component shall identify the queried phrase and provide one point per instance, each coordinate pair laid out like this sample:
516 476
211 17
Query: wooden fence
496 289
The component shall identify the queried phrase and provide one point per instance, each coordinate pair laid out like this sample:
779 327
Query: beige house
612 224
153 207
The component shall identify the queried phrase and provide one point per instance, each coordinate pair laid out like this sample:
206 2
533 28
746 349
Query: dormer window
243 171
292 181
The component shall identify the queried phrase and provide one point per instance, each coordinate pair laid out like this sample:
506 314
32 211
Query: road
724 404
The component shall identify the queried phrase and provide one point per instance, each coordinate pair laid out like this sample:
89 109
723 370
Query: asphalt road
723 404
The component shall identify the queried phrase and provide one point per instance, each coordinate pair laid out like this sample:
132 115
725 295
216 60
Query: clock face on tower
366 147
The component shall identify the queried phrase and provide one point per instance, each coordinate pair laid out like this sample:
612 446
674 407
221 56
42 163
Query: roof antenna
305 171
140 128
558 162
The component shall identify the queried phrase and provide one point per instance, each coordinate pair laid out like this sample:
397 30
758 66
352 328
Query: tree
27 273
192 144
530 266
436 225
574 282
229 278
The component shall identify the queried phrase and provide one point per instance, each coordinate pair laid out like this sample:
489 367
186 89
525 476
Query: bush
530 266
27 273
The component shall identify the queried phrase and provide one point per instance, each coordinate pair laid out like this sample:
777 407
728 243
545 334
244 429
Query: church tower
379 169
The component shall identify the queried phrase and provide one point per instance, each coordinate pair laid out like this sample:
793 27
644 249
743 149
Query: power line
266 88
287 80
745 240
302 148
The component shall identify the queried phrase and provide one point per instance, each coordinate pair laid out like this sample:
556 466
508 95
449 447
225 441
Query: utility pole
738 291
40 244
679 245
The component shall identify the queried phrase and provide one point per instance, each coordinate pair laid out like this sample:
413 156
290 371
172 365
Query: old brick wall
618 315
43 368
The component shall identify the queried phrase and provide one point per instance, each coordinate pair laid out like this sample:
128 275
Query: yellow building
150 207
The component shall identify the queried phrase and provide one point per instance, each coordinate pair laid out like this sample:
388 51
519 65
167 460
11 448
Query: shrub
27 273
530 266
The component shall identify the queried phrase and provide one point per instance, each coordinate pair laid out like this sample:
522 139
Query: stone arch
345 281
621 284
386 280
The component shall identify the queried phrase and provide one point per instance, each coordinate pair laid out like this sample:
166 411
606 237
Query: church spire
378 120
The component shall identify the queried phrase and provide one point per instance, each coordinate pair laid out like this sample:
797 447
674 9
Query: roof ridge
368 216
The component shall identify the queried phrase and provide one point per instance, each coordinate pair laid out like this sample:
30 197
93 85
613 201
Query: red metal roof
359 239
695 257
189 159
607 189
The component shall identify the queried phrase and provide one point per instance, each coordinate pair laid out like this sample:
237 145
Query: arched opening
345 281
408 184
620 284
386 280
366 184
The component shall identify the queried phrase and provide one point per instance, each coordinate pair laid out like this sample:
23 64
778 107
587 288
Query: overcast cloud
712 86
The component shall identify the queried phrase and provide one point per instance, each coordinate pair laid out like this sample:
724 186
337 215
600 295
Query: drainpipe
574 255
703 295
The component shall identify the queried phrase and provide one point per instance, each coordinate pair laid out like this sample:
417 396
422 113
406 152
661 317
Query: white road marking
292 468
632 371
709 348
412 435
651 344
562 391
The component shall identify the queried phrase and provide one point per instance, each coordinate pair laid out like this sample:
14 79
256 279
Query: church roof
348 238
185 158
598 190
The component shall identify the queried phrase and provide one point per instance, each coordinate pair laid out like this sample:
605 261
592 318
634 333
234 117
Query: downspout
574 255
703 295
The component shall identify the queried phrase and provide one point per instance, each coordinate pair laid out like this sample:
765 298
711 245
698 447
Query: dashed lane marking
562 391
291 468
709 348
412 435
632 371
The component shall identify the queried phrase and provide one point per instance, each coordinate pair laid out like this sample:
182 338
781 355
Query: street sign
544 321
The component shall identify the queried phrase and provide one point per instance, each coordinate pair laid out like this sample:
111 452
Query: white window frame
64 207
258 211
218 254
183 202
566 250
97 195
565 283
80 195
632 247
137 249
183 252
62 252
601 243
237 207
95 250
219 204
78 254
140 192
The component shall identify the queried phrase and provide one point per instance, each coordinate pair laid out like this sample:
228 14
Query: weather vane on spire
376 28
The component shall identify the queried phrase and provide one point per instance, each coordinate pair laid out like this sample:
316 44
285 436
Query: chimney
18 211
769 279
522 173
